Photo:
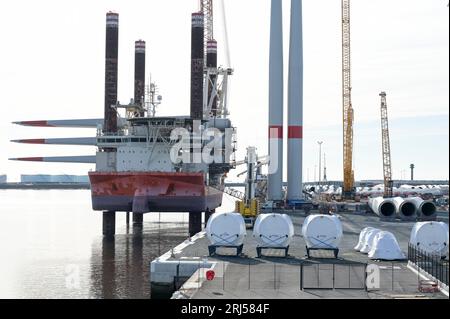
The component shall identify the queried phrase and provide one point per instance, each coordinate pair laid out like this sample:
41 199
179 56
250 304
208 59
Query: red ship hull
144 192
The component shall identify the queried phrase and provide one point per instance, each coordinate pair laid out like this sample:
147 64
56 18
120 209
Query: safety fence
333 276
282 276
433 264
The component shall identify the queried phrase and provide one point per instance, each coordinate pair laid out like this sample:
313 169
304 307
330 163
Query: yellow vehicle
248 211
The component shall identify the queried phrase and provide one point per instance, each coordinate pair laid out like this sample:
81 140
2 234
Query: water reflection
51 246
108 268
120 267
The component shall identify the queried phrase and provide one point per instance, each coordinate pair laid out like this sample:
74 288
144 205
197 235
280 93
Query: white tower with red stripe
295 104
275 175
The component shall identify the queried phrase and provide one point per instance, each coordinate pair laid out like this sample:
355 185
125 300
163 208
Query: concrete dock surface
321 276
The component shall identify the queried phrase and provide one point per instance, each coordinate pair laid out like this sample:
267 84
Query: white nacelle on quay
226 229
322 231
273 230
430 237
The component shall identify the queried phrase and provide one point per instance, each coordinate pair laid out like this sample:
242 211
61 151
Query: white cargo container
431 237
273 230
322 232
226 229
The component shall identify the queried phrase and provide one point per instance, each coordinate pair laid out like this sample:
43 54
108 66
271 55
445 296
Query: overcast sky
52 67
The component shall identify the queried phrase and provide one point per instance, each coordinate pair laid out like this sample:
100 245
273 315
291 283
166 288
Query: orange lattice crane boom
386 144
348 115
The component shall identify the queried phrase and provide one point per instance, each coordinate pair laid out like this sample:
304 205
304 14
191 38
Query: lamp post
315 172
320 161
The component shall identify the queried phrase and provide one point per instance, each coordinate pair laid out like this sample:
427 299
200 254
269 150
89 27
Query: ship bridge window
138 140
110 140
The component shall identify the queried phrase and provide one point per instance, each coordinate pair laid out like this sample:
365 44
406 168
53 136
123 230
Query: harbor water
51 246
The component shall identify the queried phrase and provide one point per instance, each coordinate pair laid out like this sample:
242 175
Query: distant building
71 179
3 179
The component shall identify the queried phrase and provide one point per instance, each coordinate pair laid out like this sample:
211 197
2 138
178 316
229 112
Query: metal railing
433 264
325 279
274 276
333 276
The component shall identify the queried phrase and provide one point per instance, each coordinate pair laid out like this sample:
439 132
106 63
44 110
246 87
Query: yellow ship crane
248 206
387 168
348 116
248 203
